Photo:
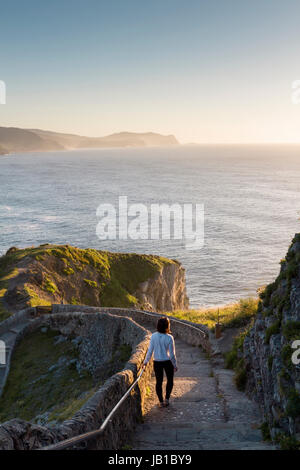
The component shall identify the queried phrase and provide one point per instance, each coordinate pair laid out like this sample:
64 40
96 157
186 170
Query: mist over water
250 195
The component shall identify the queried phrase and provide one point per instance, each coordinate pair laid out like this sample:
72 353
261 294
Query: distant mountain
13 139
22 140
131 139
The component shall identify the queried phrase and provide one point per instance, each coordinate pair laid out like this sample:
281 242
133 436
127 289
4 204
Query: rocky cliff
273 379
165 291
64 274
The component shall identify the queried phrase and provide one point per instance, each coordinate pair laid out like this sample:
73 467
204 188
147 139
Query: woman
163 347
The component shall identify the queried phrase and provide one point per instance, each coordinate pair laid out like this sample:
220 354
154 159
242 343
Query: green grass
287 442
96 277
68 271
35 300
240 376
6 274
233 357
265 431
70 407
4 313
286 356
265 294
272 330
114 295
50 286
291 330
90 283
238 314
293 404
32 389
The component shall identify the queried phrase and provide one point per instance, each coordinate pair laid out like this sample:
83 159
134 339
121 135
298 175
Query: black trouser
159 367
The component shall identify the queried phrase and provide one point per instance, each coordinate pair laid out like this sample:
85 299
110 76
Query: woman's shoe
166 402
161 404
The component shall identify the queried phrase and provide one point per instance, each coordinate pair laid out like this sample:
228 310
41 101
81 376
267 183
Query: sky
207 71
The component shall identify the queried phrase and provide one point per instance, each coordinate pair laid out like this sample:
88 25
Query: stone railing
191 333
16 319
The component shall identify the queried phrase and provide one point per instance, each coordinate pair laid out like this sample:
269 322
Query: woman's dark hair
163 325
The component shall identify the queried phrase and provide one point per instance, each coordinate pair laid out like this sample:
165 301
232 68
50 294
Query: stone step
203 446
197 417
186 437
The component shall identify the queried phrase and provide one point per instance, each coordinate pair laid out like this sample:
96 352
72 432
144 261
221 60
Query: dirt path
206 410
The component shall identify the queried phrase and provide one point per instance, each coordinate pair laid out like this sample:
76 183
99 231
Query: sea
250 195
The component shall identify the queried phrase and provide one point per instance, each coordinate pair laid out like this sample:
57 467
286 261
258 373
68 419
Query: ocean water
250 194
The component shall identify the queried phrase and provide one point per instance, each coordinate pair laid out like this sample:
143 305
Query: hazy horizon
158 132
205 72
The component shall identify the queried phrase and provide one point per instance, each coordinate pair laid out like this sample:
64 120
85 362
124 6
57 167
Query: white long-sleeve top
163 347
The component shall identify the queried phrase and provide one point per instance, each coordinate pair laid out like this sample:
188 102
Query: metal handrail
92 434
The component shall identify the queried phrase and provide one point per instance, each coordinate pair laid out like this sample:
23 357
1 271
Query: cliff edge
65 274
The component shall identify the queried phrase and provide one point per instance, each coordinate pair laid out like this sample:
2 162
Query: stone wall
191 333
85 321
272 378
17 318
18 434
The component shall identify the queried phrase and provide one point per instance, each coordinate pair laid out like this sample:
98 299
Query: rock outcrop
51 274
166 291
273 378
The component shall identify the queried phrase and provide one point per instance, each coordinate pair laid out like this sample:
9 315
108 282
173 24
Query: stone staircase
206 411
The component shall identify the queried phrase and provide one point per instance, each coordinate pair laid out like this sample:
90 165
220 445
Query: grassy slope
51 273
32 389
238 314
